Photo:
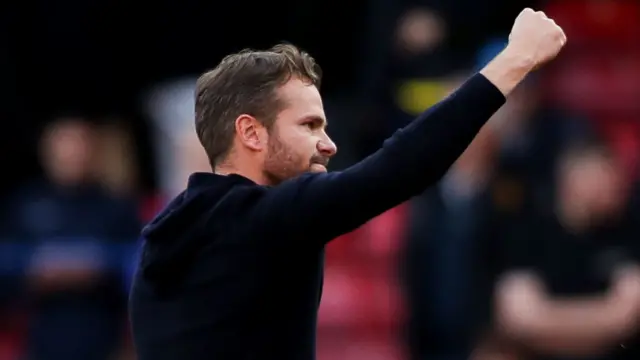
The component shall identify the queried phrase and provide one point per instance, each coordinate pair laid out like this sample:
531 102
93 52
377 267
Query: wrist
509 68
519 59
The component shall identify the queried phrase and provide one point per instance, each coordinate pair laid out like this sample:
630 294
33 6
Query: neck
251 173
573 218
62 180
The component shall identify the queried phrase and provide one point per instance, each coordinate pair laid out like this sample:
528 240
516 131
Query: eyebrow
319 119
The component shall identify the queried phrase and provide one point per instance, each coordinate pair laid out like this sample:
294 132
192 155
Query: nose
327 147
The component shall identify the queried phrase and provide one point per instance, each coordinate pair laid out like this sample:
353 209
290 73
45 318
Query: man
568 281
232 269
70 221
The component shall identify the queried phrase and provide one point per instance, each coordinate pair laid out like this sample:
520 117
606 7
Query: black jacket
233 270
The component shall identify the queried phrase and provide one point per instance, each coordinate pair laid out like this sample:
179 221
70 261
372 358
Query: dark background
95 57
403 286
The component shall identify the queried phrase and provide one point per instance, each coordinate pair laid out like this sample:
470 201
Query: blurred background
525 250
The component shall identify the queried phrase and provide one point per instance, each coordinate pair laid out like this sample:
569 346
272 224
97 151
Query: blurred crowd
528 249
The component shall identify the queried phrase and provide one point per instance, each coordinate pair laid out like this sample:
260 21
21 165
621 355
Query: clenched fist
535 39
536 36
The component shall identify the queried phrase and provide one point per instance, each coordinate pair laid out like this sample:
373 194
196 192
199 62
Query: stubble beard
281 163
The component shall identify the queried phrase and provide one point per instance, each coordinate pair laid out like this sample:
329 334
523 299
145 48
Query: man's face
298 142
67 151
595 184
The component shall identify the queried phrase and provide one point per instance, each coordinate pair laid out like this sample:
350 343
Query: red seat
624 137
381 237
600 82
614 22
376 242
361 308
150 206
360 303
359 347
383 304
12 338
340 250
344 287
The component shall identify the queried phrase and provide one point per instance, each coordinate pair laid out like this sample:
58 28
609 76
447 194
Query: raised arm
326 205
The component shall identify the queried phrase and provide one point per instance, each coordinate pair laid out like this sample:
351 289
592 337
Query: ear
251 133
